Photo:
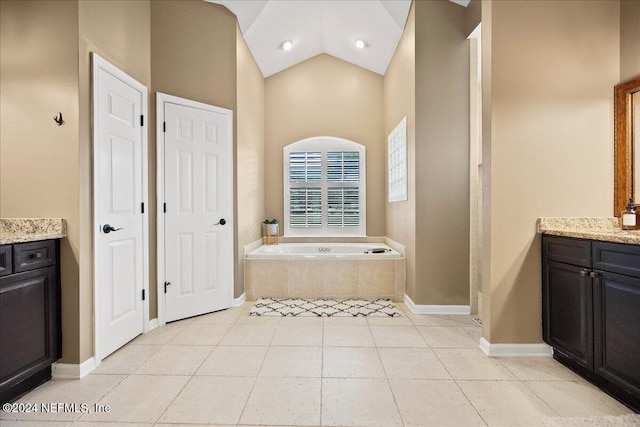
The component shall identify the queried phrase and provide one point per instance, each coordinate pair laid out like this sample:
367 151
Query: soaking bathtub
325 270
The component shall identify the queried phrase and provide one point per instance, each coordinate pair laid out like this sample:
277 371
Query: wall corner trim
70 371
237 302
436 309
515 350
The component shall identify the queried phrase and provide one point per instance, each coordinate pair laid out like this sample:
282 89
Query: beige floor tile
175 360
200 334
249 335
298 335
162 334
346 335
222 317
539 369
210 400
234 361
292 362
345 321
100 424
302 320
351 362
127 359
397 336
358 402
412 363
433 403
505 403
447 337
472 364
576 399
431 320
258 320
464 319
139 398
388 321
474 331
289 401
22 423
87 391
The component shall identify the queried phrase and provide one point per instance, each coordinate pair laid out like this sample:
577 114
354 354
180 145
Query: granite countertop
17 230
605 229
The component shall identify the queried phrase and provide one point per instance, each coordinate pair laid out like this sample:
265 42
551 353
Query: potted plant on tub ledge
271 231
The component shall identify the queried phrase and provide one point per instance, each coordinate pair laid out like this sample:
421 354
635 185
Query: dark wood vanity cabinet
30 336
591 311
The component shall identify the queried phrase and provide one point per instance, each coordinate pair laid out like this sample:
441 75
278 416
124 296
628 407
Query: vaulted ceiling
321 26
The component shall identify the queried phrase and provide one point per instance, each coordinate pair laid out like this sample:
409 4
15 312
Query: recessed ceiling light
361 44
286 45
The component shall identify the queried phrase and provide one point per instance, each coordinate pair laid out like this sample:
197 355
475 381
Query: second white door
198 217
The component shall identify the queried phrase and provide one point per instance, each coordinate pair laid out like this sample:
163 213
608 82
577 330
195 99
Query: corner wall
629 39
250 164
442 154
38 158
325 96
548 141
400 101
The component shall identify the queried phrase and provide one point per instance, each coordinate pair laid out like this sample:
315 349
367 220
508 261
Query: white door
119 103
198 226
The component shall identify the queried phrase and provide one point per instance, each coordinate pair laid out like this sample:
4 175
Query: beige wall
325 96
119 31
442 154
250 155
473 15
549 140
629 39
400 101
193 56
39 159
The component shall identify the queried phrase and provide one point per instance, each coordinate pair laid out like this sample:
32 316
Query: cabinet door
617 327
28 324
567 304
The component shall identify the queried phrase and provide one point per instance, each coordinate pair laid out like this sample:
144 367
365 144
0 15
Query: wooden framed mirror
627 146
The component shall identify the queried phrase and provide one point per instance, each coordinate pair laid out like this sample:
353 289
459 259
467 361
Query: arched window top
324 187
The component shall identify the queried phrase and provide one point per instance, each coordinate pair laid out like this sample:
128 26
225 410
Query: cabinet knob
583 273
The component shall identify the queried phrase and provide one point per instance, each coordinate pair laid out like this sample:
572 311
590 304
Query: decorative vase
272 229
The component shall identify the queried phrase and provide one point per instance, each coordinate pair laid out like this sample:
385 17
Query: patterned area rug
324 307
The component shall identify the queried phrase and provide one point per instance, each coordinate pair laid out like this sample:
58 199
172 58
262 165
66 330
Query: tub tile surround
604 229
17 230
347 371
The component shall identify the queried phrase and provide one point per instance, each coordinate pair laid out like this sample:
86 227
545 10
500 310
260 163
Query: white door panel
118 188
197 190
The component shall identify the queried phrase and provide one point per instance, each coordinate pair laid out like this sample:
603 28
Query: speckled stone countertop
17 230
605 229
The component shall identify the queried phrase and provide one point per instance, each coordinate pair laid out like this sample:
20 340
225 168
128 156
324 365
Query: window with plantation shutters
324 188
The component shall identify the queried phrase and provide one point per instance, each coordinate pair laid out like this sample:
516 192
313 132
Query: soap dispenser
628 218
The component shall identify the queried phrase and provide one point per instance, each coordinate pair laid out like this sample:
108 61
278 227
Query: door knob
221 222
108 229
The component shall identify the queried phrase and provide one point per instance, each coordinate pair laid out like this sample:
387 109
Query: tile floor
229 368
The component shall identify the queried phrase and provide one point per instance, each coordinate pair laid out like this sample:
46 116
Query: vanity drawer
567 250
617 258
29 256
6 261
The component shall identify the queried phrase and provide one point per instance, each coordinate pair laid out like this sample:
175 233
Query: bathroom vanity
30 327
591 303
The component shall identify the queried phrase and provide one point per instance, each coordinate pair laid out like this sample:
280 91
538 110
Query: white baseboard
237 302
153 323
70 371
436 309
515 350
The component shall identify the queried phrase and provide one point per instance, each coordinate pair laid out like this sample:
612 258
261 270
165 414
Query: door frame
161 99
99 63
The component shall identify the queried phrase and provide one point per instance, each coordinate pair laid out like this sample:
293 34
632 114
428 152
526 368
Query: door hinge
142 207
143 296
165 286
164 207
164 126
141 120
